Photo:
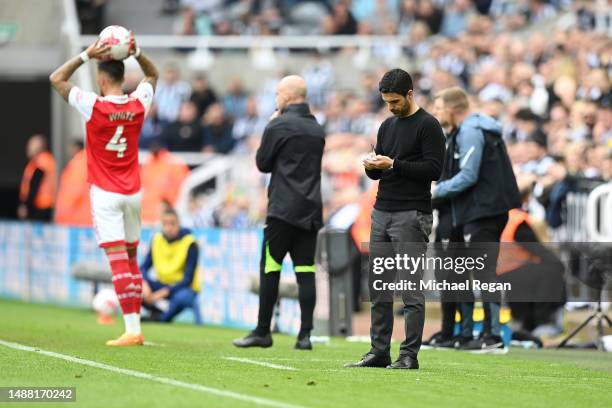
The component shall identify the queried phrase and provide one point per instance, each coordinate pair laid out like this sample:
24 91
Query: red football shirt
113 128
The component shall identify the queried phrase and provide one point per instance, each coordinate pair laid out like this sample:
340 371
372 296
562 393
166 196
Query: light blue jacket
470 144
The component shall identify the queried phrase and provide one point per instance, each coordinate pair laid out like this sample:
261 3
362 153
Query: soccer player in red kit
114 121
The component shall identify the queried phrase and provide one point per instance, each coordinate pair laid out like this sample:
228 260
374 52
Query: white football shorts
116 217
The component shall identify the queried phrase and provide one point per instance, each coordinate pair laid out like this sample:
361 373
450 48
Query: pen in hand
372 154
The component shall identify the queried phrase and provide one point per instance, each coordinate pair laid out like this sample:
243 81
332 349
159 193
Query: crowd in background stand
552 92
345 17
450 18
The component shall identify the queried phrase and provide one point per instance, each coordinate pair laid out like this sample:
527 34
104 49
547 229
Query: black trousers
397 228
281 238
485 230
445 233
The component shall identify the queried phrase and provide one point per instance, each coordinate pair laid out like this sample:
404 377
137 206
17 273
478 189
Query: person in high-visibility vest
38 185
513 257
360 231
73 206
522 253
162 175
174 258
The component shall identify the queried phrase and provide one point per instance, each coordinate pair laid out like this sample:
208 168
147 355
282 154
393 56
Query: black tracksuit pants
281 238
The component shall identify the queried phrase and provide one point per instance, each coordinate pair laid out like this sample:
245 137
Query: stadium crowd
551 91
344 17
348 17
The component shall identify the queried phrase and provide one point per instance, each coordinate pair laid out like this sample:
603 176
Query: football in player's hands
119 39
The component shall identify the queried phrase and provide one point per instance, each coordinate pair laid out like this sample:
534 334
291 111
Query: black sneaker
254 340
303 343
371 360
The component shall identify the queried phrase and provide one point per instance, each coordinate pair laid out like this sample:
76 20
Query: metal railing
66 122
256 41
599 214
588 219
217 170
582 219
191 159
71 30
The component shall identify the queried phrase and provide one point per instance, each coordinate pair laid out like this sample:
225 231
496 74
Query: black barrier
335 252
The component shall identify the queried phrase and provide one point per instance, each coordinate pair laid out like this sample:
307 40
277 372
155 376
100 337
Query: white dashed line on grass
150 343
294 359
145 376
260 363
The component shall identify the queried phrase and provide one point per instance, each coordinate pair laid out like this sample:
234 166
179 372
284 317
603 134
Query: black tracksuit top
291 149
417 146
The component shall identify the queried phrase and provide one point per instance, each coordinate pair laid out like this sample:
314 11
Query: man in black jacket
291 149
409 155
444 234
482 189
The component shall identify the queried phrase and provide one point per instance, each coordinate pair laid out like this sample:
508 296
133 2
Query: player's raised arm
60 77
148 69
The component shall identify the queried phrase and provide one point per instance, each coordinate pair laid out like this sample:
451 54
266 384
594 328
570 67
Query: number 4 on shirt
117 143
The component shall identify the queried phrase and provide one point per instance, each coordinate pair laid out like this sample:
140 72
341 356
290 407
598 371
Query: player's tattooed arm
147 66
60 77
149 70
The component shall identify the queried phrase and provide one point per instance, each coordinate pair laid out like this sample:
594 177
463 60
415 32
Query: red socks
137 281
127 281
122 280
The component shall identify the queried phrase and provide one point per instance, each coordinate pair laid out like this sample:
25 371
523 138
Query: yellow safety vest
169 260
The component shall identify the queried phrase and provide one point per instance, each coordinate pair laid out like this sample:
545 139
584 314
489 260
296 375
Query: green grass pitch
204 356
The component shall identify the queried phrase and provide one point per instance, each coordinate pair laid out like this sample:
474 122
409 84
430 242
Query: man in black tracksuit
291 149
409 155
482 189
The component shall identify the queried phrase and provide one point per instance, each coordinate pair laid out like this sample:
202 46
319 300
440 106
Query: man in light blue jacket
481 189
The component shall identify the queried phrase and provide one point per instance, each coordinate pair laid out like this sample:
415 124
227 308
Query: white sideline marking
260 363
293 359
150 377
150 343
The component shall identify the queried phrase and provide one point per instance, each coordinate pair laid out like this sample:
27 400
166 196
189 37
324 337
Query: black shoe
254 340
484 334
494 344
371 360
470 345
439 340
461 341
303 343
447 342
434 339
405 363
154 315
